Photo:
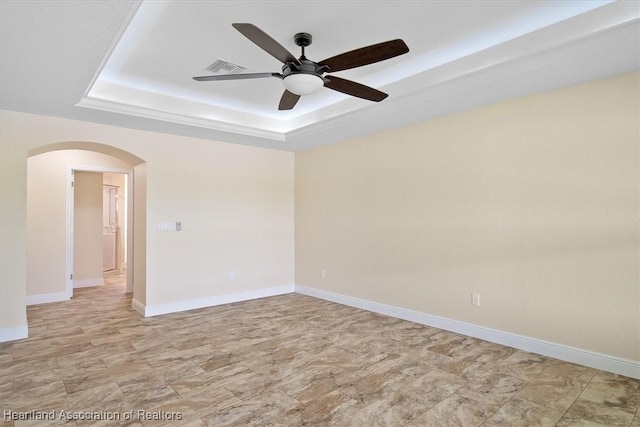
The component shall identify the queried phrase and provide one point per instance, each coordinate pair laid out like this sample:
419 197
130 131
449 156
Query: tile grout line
577 397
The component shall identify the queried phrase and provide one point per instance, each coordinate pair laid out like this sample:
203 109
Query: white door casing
70 217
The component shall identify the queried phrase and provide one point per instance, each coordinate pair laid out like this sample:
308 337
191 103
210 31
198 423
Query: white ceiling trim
183 119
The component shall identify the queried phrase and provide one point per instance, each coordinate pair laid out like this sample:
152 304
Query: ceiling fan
302 76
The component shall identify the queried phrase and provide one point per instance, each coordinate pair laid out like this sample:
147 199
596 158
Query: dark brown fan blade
288 100
237 76
354 89
266 43
366 55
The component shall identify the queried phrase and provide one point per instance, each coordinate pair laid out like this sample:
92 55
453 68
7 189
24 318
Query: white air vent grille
220 67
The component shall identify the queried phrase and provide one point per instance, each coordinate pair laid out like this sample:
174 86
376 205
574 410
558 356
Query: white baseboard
174 307
629 368
12 334
137 306
87 283
47 298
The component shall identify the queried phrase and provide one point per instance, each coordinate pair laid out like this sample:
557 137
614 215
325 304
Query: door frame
71 169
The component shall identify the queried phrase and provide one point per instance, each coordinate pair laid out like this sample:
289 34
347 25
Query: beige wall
532 203
139 236
235 203
87 229
46 218
13 230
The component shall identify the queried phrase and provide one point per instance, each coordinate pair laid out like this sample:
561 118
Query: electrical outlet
323 274
475 299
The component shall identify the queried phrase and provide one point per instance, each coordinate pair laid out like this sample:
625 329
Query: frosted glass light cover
302 84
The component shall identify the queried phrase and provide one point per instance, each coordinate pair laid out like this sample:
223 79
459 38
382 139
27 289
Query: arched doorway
50 251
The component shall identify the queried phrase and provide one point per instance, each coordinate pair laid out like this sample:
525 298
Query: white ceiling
130 63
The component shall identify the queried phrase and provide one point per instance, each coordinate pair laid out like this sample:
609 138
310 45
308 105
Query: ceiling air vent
223 67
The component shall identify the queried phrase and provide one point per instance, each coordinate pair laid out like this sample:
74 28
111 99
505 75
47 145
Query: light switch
166 226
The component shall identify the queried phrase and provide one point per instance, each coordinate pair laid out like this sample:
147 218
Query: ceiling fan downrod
303 40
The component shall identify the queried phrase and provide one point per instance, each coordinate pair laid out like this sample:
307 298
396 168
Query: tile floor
290 360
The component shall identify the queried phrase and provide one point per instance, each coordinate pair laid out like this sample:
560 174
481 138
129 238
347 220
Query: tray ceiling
141 57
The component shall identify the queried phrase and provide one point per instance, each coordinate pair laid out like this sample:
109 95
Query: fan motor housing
306 67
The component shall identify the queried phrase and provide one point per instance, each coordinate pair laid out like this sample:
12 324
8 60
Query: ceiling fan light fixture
302 76
302 83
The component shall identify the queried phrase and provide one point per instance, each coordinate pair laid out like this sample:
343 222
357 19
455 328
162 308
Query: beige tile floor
290 360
